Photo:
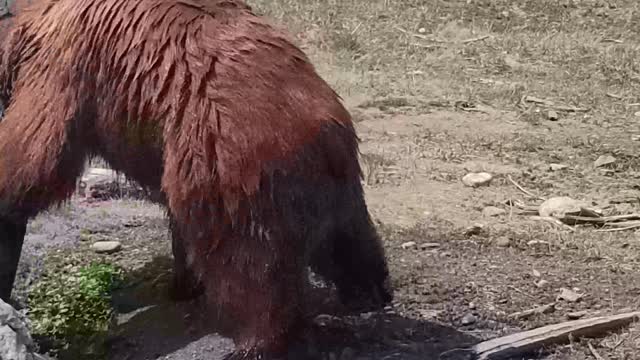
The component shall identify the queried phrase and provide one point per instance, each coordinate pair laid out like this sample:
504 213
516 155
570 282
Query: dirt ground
440 89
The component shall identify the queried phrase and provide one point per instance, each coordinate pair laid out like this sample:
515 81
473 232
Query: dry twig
543 309
552 105
479 38
594 352
523 189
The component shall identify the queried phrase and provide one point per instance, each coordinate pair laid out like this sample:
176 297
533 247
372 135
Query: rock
503 241
408 244
552 115
604 160
536 273
477 179
106 247
559 206
16 342
493 211
542 283
468 319
472 305
569 295
557 167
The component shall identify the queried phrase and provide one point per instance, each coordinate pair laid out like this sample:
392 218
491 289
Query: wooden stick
519 344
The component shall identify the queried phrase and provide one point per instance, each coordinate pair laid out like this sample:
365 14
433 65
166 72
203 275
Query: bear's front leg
11 238
184 285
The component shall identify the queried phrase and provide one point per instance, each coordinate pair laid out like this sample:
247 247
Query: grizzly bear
253 154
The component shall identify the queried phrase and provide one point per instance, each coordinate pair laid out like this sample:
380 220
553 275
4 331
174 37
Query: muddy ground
533 92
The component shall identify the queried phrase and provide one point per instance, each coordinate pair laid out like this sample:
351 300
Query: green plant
73 304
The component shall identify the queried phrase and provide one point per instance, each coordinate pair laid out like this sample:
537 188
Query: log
515 345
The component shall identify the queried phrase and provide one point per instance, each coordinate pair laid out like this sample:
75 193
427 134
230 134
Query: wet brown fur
253 153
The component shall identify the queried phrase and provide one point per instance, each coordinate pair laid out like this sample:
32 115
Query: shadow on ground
152 327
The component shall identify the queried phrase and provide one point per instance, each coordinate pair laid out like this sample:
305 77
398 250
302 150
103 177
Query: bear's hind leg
258 281
184 284
41 156
253 280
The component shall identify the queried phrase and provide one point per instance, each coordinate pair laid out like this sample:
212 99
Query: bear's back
8 10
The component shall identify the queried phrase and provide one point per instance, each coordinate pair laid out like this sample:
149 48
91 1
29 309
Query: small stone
536 273
503 241
542 283
490 211
635 137
477 179
576 315
604 160
468 319
557 167
552 115
408 244
106 247
427 246
569 295
472 305
422 30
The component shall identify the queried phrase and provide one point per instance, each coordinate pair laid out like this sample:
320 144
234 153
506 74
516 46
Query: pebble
542 283
569 295
552 115
477 179
503 241
557 167
604 160
106 247
468 319
536 273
